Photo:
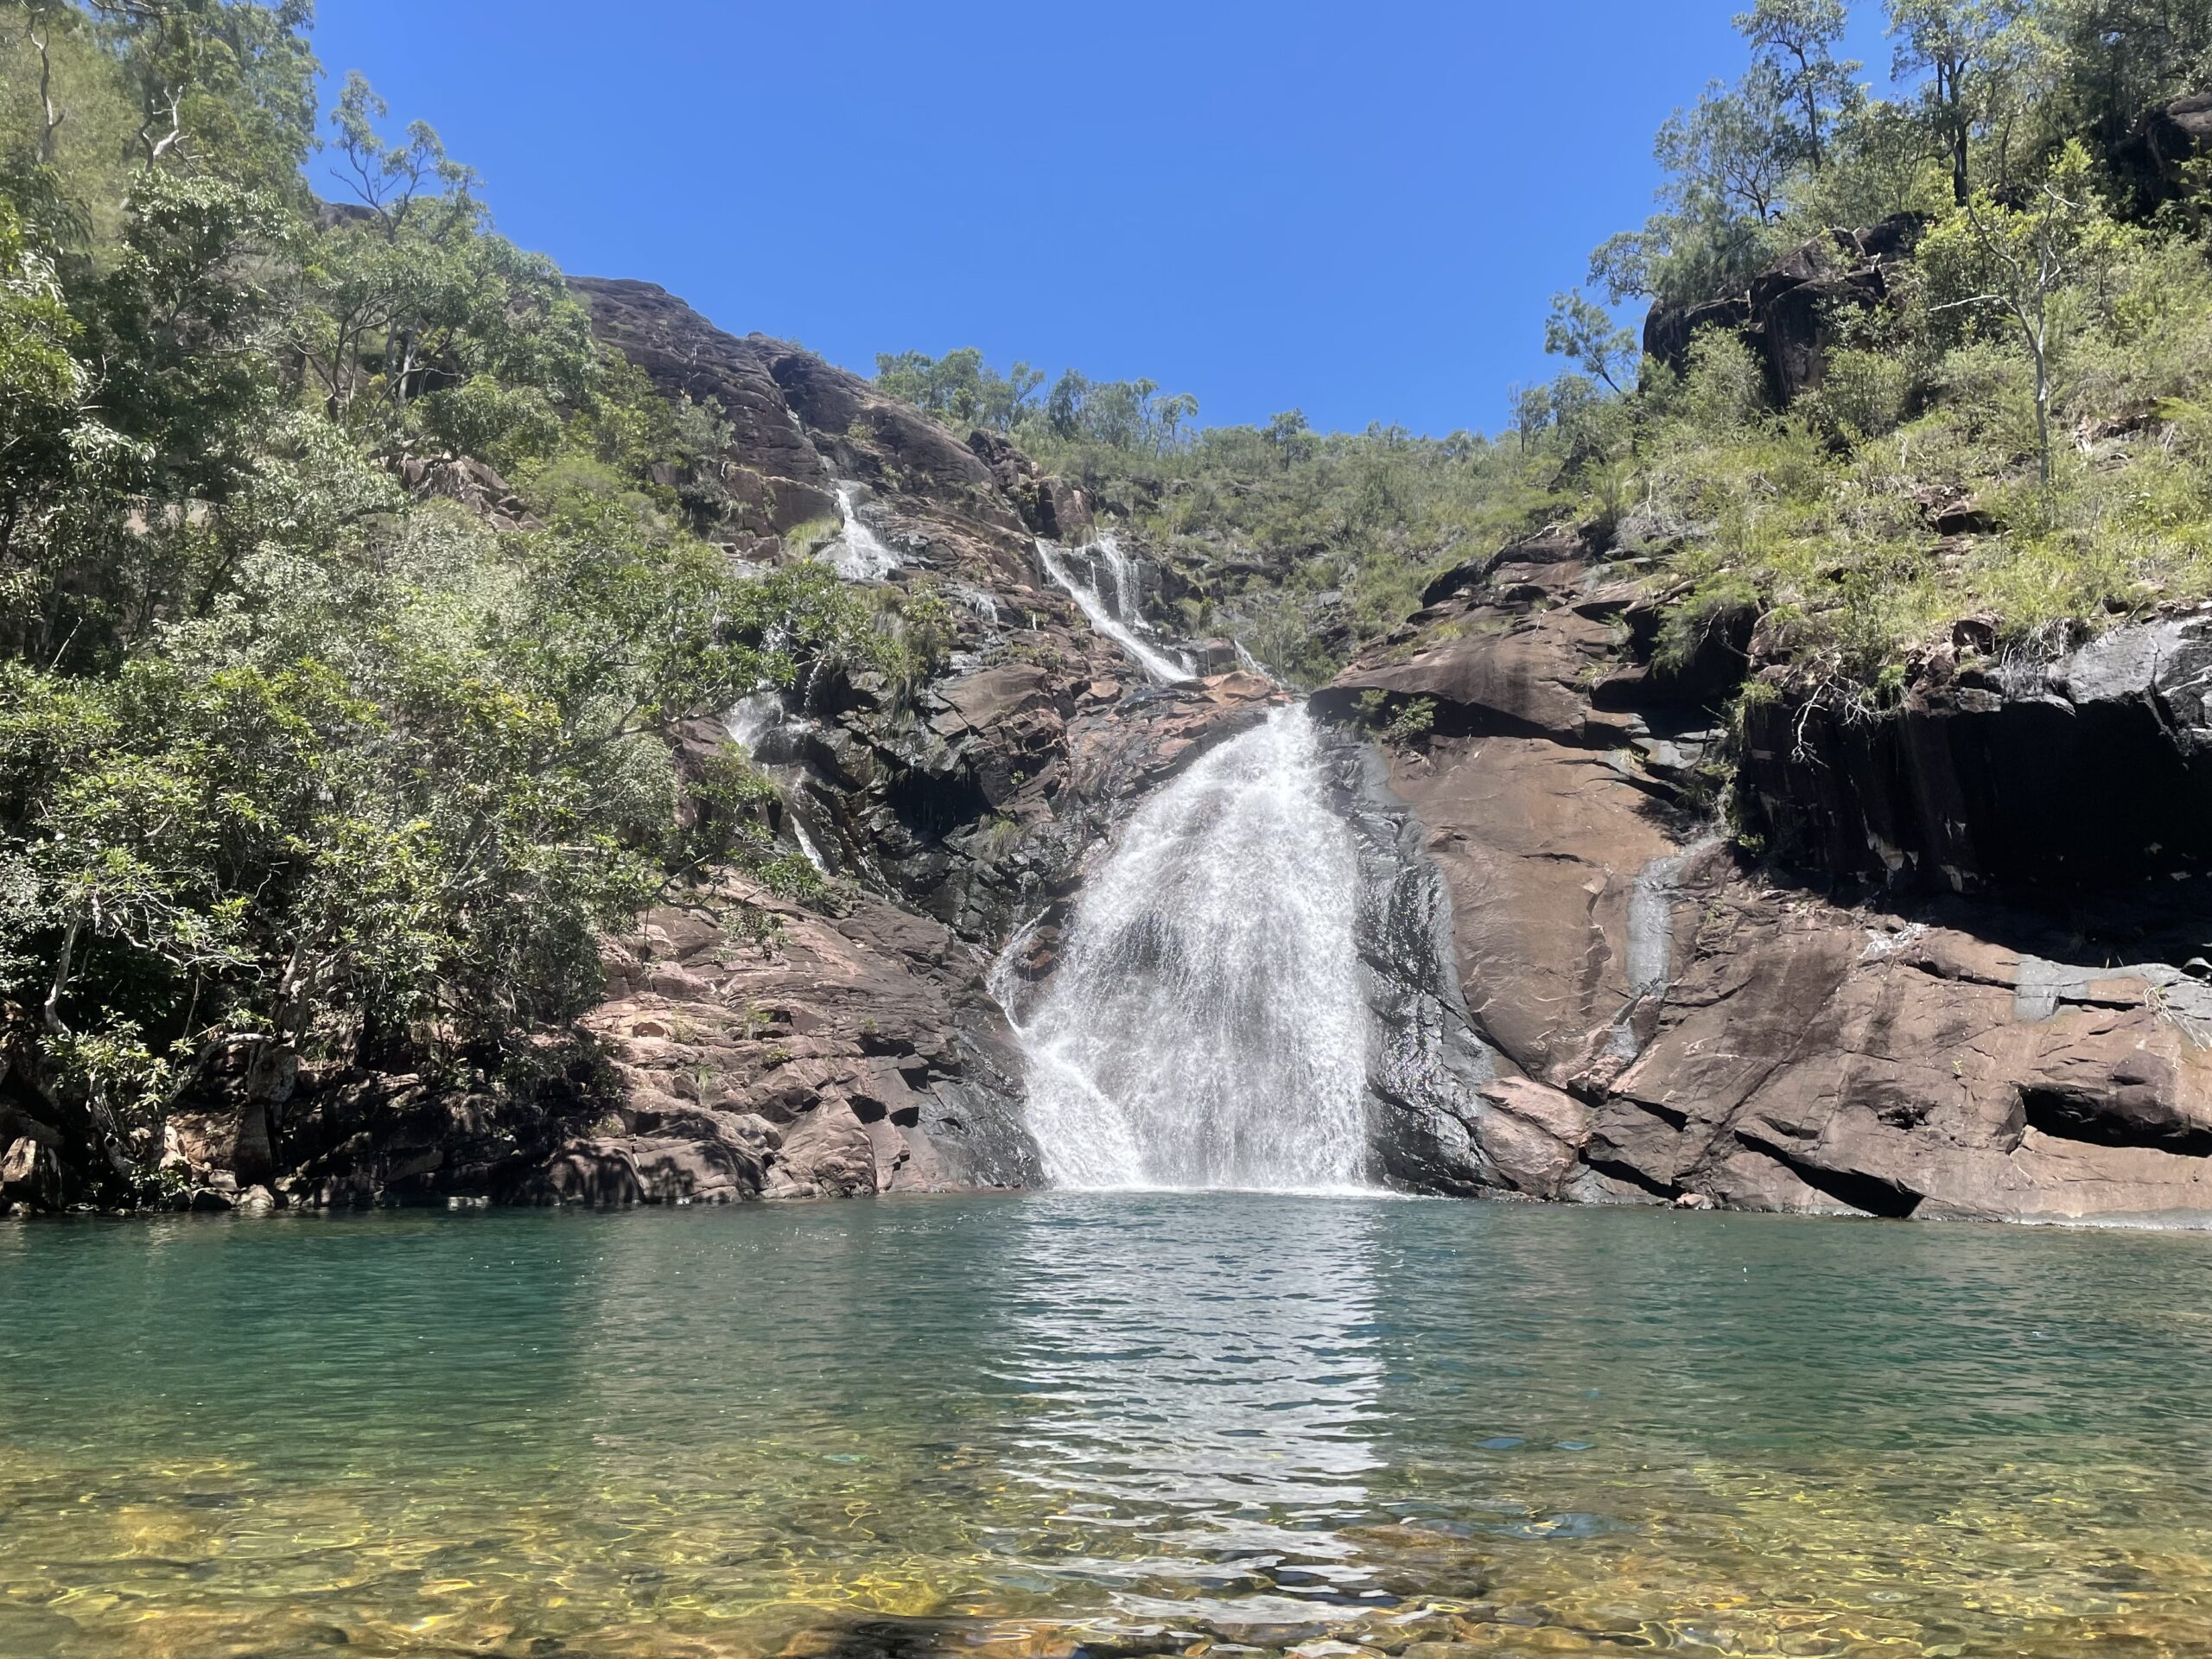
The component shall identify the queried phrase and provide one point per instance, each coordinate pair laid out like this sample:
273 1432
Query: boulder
31 1175
1533 1136
1783 313
2164 139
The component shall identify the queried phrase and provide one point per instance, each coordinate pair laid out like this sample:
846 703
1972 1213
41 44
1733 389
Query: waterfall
1205 1028
771 737
984 605
1120 620
859 554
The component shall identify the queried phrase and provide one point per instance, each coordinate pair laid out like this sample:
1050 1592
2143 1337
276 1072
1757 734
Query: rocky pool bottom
1127 1425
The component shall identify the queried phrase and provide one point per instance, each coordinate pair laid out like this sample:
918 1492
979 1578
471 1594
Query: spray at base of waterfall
1206 1027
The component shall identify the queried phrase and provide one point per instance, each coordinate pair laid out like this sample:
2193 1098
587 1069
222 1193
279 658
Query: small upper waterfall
859 554
1205 1026
1112 603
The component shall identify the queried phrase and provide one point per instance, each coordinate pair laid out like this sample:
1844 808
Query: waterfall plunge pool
1129 1424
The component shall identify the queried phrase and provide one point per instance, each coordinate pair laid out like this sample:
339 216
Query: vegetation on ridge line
2035 374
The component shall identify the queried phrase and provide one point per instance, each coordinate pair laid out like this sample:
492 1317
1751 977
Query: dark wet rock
1427 1067
2164 139
1052 507
2077 774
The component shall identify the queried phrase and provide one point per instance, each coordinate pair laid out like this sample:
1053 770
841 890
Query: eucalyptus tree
1796 40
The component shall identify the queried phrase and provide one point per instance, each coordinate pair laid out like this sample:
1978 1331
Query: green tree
1584 335
2120 57
1734 147
1795 41
1728 162
959 388
224 85
2023 256
43 388
412 296
1969 53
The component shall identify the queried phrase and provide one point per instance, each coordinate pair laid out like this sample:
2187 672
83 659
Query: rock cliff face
1671 1023
749 1048
1969 980
2090 770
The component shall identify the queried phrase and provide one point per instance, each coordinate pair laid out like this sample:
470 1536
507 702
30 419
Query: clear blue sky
1360 207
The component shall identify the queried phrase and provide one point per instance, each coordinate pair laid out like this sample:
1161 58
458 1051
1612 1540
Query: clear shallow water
1011 1426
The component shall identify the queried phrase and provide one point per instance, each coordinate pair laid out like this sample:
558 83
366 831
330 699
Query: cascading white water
984 605
770 735
1205 1026
859 554
1128 592
1105 617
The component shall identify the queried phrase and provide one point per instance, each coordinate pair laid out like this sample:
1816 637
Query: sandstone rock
1532 1135
1691 1033
31 1175
777 480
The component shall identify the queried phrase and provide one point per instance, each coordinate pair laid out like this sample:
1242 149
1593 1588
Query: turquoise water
1127 1425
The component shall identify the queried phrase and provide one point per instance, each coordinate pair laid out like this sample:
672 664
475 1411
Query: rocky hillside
751 1046
1972 986
1965 980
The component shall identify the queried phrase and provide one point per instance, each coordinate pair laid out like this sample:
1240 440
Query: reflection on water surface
1131 1424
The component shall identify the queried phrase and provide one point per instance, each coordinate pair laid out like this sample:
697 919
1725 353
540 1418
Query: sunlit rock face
1894 1018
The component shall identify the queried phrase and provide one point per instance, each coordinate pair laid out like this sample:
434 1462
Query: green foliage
1412 723
292 764
1793 42
409 299
1586 336
960 388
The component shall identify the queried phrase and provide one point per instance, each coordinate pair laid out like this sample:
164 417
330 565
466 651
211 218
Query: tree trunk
2043 416
1948 89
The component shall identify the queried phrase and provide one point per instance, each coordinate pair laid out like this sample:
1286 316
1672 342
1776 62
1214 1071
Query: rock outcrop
1784 313
2090 770
2164 139
1670 1023
749 1047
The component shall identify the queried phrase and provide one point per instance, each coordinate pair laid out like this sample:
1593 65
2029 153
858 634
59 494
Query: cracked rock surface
1670 1024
